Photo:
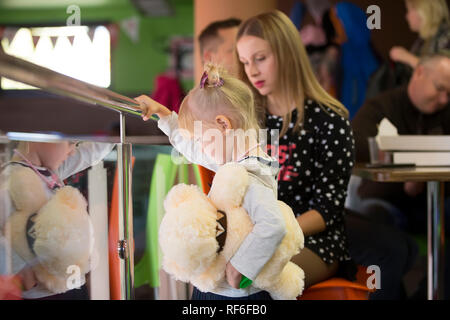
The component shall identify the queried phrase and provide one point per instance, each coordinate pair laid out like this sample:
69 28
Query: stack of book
418 150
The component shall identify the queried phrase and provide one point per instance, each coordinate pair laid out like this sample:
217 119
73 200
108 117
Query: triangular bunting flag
35 40
91 33
53 39
71 38
10 33
131 28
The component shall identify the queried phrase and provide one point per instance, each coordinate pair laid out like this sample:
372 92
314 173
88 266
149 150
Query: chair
339 289
206 177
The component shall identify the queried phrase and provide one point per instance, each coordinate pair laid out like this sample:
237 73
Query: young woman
316 146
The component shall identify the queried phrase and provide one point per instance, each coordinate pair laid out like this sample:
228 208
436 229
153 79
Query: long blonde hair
232 98
296 79
433 13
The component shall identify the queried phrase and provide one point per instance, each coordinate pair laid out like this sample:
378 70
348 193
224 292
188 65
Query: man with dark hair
217 42
422 107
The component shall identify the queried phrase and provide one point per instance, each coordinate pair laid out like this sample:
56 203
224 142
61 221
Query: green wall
136 65
133 65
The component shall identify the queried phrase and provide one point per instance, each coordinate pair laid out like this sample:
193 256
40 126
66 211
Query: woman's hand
311 222
150 107
400 54
233 276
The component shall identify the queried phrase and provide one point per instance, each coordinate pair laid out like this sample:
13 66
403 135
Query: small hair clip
219 83
204 81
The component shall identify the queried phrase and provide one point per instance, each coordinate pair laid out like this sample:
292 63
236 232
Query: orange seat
339 289
206 177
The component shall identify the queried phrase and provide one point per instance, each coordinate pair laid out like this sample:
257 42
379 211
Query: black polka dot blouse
315 166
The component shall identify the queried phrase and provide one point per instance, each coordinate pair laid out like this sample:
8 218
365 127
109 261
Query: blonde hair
433 13
296 79
233 98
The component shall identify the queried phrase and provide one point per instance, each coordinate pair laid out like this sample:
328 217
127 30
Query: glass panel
54 217
61 238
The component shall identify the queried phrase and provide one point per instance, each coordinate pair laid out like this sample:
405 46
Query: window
80 52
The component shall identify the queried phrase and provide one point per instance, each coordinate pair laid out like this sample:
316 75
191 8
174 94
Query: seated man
420 108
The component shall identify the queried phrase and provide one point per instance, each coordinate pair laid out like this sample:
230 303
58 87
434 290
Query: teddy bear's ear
183 193
16 228
26 190
229 186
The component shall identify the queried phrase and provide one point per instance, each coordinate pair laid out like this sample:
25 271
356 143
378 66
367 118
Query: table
435 178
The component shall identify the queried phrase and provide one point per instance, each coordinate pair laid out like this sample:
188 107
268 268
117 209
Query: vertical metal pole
436 240
126 239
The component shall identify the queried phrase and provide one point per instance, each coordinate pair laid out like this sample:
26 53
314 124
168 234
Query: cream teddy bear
192 228
56 242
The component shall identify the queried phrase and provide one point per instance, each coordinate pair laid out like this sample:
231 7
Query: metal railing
29 73
23 71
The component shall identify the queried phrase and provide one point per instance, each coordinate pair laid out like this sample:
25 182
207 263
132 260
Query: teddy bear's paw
59 284
211 277
294 239
175 271
290 283
207 282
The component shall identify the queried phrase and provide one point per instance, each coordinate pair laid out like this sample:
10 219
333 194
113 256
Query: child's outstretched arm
168 123
87 154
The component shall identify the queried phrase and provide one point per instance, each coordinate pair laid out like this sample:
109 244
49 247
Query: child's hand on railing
150 107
